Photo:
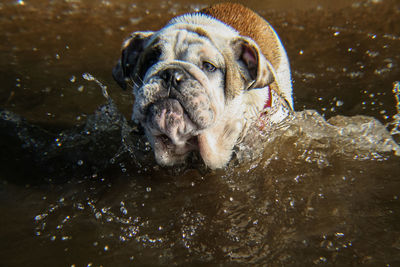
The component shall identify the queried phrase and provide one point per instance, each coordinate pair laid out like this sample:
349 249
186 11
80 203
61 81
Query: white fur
216 142
233 116
226 32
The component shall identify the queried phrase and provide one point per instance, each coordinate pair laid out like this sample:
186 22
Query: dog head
195 85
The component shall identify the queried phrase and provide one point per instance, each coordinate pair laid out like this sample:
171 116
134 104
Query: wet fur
248 51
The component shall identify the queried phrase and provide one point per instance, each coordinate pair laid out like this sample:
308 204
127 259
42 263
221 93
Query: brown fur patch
249 24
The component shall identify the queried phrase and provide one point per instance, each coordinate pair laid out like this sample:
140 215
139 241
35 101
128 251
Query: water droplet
66 219
124 210
72 79
104 210
338 234
339 103
88 76
372 53
40 217
323 259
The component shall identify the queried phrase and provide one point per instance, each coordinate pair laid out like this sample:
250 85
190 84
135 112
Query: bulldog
203 80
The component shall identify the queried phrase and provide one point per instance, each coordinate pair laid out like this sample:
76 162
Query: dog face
194 83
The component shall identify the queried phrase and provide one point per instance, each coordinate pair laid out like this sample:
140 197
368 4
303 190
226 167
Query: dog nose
173 77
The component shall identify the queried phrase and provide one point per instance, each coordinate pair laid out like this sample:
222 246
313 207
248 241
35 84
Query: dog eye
207 66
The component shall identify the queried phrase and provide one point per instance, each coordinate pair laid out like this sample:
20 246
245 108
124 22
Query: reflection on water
322 193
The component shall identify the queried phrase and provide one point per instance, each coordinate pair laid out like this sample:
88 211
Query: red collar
263 120
268 103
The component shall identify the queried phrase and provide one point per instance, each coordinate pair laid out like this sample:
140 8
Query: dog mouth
173 133
175 107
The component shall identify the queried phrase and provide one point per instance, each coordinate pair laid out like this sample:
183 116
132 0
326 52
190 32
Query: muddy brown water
322 194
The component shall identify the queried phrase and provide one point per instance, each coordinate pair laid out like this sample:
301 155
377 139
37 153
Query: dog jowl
201 80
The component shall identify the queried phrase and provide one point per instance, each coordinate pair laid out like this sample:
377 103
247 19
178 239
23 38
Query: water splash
132 142
133 213
395 131
105 139
90 77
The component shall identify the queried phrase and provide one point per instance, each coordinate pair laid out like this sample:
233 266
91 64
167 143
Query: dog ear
255 69
131 50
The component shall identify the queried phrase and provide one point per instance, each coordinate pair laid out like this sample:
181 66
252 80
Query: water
79 186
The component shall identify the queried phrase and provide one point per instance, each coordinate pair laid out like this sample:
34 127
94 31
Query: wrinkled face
191 89
179 92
